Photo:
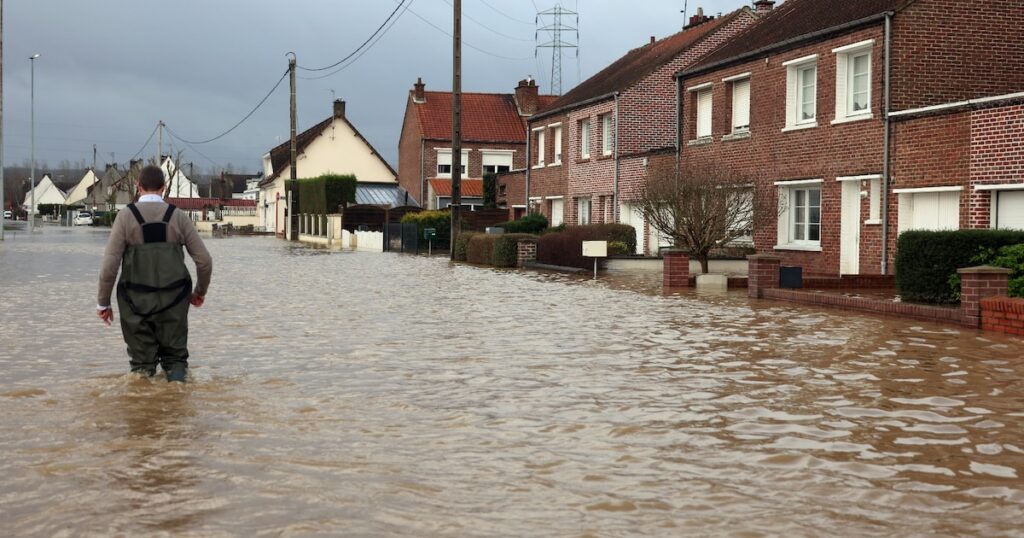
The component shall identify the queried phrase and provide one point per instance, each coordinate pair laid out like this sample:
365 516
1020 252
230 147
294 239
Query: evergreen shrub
480 249
462 245
324 194
506 249
566 248
534 223
439 220
927 262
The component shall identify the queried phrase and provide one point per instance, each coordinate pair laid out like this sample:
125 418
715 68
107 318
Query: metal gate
400 237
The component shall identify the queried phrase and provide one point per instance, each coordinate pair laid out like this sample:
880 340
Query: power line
488 28
247 116
360 47
482 51
365 50
148 140
175 135
507 16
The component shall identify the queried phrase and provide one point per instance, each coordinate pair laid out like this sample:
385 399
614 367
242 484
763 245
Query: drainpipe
423 177
529 165
679 126
885 151
615 193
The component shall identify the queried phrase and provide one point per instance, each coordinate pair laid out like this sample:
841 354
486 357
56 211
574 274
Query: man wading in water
146 242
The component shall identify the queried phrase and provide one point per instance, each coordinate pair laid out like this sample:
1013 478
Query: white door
849 239
631 215
557 212
1010 209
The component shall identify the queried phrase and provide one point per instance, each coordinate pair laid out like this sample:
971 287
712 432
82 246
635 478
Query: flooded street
368 394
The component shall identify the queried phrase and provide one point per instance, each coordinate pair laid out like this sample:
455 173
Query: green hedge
534 223
566 248
50 209
462 245
324 194
480 249
439 220
926 262
506 249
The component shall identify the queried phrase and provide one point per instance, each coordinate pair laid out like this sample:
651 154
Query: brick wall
592 178
550 180
996 156
951 50
1003 314
409 155
514 191
824 152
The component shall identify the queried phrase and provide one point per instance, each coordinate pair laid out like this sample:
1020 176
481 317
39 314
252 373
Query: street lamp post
32 173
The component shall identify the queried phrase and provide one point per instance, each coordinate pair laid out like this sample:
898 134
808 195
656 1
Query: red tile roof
796 21
199 203
470 187
486 117
637 64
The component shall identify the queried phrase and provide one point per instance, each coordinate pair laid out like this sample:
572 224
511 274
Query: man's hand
197 300
107 315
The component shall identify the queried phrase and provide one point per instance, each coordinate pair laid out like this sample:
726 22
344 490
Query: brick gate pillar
526 251
676 265
977 283
762 274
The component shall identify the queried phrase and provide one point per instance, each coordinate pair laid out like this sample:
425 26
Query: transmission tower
552 22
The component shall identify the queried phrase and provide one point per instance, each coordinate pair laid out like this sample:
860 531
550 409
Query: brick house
493 138
865 119
591 149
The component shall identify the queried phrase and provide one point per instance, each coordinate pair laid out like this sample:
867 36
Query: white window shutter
703 113
792 80
842 87
741 105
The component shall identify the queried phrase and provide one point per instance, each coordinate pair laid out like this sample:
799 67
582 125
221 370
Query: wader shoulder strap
138 216
167 215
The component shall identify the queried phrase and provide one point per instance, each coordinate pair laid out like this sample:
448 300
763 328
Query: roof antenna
684 11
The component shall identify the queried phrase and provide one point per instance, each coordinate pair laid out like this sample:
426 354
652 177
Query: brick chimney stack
763 6
418 95
339 108
698 19
526 96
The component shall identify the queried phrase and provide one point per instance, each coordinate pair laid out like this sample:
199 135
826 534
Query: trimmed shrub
506 249
480 249
1009 257
462 245
490 190
50 210
618 248
566 248
324 194
927 261
107 218
534 223
439 220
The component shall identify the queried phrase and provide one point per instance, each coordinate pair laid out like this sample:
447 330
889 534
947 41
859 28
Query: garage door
1010 210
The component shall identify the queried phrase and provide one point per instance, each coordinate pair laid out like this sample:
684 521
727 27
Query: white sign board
595 249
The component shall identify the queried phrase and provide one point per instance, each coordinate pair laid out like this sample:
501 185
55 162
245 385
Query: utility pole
32 173
191 177
456 126
94 158
160 145
3 183
293 219
556 28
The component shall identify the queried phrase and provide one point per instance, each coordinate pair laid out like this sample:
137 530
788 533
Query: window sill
538 166
559 163
804 248
852 119
800 127
604 158
736 136
701 141
873 222
583 160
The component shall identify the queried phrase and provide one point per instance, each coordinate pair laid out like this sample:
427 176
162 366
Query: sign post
595 249
429 234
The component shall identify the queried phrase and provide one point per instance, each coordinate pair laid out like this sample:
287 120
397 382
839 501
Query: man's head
151 179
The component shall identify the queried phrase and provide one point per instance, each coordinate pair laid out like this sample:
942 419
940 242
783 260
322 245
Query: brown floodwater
378 394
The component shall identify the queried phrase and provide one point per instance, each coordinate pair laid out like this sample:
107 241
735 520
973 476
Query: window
853 81
936 208
556 210
607 135
585 139
558 144
801 92
496 162
704 113
539 146
444 162
799 226
741 106
582 211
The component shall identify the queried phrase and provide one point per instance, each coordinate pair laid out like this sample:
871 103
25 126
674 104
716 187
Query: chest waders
151 295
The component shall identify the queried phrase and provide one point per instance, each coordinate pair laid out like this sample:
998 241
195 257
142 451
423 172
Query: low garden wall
1003 315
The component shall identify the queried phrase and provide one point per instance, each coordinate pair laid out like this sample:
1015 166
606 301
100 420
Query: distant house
493 137
81 189
177 184
333 146
236 186
44 193
113 191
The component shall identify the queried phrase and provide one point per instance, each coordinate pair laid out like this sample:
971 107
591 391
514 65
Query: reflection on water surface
373 394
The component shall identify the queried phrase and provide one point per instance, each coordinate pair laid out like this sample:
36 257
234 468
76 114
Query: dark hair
151 178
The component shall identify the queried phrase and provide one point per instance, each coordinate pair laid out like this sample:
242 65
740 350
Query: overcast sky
111 69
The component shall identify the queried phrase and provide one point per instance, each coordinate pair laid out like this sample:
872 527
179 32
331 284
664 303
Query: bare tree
704 207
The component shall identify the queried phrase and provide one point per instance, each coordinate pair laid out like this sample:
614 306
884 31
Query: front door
849 240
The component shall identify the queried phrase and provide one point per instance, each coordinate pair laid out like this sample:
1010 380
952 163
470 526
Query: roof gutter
784 44
571 106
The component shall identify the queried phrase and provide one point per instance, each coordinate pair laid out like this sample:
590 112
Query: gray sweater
127 231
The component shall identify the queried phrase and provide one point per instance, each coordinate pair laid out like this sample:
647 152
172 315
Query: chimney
526 96
763 6
339 108
653 40
698 19
418 95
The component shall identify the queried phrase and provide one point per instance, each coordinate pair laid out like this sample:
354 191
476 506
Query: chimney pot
339 108
763 6
419 95
526 96
653 40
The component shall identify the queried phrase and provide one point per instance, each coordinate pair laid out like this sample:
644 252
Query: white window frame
583 217
539 131
607 134
738 127
556 129
846 57
444 156
796 93
585 138
788 215
506 157
705 113
905 205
